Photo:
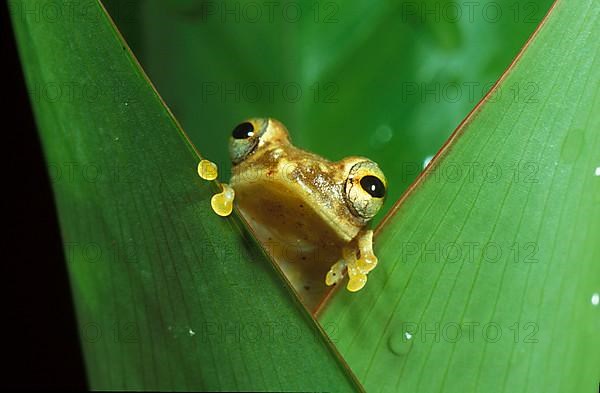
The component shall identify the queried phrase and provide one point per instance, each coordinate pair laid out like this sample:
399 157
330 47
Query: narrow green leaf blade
488 279
168 295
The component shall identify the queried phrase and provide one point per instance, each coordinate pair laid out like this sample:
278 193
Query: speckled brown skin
296 204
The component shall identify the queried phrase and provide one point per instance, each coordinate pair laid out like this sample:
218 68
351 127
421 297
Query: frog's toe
357 282
208 170
357 273
366 263
335 273
222 203
331 278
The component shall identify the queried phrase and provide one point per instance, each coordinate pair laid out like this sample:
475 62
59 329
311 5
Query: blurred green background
389 80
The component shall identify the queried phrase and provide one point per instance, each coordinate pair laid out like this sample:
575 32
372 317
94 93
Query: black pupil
243 131
373 186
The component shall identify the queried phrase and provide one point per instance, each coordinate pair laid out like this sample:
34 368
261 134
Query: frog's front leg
358 268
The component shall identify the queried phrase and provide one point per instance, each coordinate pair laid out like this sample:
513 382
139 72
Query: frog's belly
302 244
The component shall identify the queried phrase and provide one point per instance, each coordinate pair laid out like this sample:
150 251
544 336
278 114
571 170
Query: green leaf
488 276
388 80
168 295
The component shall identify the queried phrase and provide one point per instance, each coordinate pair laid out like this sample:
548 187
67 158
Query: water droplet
400 343
382 135
595 299
191 332
426 161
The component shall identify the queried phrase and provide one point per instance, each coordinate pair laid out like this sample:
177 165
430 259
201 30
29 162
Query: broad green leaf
489 274
168 295
385 79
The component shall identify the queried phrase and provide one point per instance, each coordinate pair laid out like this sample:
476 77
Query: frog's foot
357 278
222 203
357 268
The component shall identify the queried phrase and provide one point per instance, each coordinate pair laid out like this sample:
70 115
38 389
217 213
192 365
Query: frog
311 214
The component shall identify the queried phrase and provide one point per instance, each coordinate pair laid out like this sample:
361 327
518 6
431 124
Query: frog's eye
243 131
244 139
365 189
373 185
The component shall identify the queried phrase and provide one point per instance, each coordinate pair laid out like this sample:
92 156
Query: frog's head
345 194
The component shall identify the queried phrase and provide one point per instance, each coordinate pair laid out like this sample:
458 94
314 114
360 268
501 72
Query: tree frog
310 213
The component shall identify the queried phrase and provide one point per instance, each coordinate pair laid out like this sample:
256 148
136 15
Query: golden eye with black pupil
373 186
243 131
364 189
245 138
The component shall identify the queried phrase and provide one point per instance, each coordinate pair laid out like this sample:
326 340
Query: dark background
40 339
